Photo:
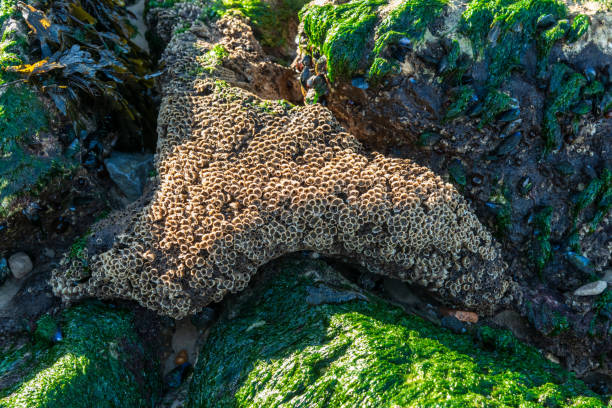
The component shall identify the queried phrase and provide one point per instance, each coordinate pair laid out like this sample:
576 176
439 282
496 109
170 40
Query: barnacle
239 185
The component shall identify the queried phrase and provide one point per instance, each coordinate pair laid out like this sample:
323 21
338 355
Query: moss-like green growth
500 203
541 250
501 30
98 363
461 98
285 349
355 39
208 62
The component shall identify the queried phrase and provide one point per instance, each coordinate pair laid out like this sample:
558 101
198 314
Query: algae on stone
355 37
284 349
98 363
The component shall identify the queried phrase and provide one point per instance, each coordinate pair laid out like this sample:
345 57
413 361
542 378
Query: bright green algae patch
353 37
282 352
98 363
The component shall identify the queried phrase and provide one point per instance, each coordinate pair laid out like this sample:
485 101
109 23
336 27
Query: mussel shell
510 115
525 185
546 21
360 82
582 108
429 138
510 128
581 262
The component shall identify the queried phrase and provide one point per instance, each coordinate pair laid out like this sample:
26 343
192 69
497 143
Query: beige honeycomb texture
242 181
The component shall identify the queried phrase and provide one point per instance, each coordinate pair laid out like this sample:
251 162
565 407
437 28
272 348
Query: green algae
97 364
461 99
560 100
501 31
279 351
541 249
355 39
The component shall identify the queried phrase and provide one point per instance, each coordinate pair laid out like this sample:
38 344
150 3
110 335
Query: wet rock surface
20 265
129 171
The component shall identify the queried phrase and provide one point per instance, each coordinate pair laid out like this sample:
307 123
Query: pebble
20 265
453 324
48 252
460 315
591 289
181 357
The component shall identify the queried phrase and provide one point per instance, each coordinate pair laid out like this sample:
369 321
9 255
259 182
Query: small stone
20 265
181 357
129 171
453 324
360 83
461 315
48 252
607 277
591 289
4 271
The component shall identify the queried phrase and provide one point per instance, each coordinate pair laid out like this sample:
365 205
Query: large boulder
89 356
303 336
243 179
512 101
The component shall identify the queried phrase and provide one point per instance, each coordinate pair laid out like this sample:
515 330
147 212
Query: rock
360 353
5 272
100 359
20 265
129 171
48 252
453 324
461 315
591 289
204 319
318 295
513 321
608 277
400 292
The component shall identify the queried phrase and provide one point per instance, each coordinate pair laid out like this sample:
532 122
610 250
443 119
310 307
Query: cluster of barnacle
240 186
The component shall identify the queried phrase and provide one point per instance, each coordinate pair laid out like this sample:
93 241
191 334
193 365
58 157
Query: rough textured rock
278 351
129 171
99 362
517 118
20 265
243 180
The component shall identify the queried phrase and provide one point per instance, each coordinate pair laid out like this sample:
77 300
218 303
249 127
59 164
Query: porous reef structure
243 180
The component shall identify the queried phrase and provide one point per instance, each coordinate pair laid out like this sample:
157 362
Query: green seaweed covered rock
305 338
89 357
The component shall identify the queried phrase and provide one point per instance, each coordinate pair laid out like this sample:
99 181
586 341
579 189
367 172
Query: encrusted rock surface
511 101
243 180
